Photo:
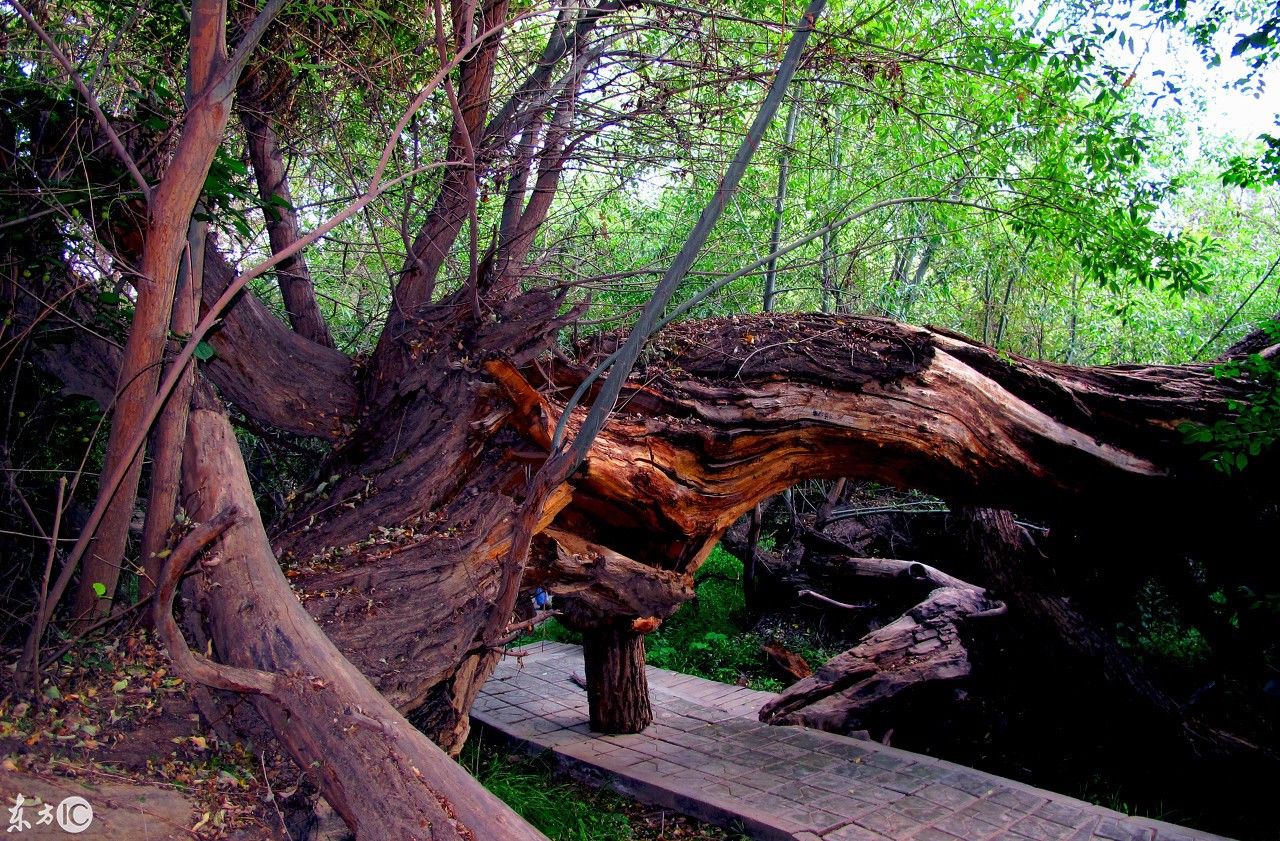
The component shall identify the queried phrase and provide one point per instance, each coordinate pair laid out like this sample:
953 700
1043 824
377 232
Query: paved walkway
706 755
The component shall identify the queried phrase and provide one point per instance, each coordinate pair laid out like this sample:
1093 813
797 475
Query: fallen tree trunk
397 560
858 690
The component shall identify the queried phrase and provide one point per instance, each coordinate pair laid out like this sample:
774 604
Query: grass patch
565 810
708 636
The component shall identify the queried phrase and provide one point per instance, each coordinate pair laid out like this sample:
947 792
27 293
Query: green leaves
227 193
1254 171
1253 425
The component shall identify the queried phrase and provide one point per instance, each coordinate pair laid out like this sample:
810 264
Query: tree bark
210 91
386 779
256 114
171 427
859 689
617 688
273 374
730 411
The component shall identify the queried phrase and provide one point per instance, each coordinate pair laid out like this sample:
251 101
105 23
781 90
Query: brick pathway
706 755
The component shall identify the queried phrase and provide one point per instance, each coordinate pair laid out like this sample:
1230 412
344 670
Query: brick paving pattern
706 755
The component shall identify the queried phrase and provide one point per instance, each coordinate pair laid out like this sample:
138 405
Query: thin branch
48 572
649 321
1239 309
514 631
89 99
827 600
715 287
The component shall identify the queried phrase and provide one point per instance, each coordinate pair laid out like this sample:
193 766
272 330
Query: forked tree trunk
617 688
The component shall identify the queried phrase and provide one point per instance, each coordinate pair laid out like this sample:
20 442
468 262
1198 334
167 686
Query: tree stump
617 687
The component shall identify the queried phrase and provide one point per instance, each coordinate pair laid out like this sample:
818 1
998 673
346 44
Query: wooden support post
617 687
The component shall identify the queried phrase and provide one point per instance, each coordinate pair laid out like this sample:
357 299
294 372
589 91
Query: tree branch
89 99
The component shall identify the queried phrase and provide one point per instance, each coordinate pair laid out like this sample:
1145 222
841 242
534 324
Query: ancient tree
461 470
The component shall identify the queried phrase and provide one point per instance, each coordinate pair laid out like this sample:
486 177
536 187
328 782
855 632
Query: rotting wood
857 690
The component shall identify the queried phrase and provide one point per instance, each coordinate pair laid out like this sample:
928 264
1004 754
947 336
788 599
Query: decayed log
386 779
923 650
857 690
734 410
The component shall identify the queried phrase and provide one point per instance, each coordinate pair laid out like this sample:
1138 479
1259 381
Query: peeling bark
723 415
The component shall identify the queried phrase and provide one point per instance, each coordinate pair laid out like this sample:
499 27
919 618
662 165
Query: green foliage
1258 44
204 351
569 811
710 636
228 193
1161 632
1255 170
1254 424
706 637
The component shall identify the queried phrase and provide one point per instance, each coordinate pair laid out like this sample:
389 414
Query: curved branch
275 375
190 666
